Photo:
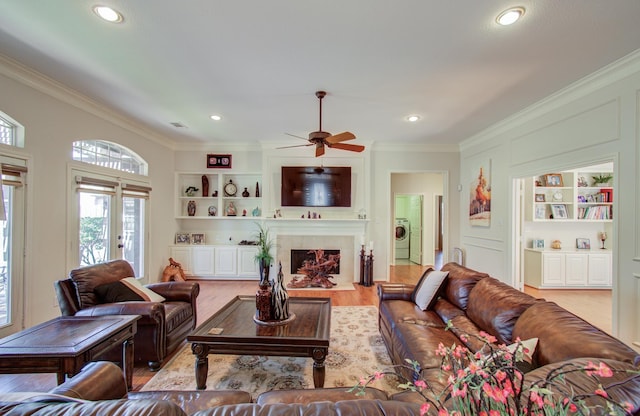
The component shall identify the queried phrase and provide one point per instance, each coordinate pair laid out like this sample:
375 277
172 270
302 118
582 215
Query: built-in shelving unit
569 196
215 204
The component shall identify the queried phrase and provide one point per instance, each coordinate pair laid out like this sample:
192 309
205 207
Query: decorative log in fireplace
316 270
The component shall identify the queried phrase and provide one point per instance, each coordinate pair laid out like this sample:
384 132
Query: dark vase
263 295
205 185
263 303
245 193
279 298
257 190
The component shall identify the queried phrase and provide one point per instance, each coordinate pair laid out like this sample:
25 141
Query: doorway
578 274
417 234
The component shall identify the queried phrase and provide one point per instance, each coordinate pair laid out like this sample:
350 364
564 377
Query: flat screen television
316 186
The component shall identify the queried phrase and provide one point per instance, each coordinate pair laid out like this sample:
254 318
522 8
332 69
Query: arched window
110 155
11 133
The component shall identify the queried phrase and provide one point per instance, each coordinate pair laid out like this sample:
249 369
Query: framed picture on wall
218 161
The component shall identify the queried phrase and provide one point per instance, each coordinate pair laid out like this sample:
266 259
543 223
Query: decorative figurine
245 193
231 210
191 208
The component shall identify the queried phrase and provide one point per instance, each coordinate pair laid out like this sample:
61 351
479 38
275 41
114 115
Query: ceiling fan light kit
322 138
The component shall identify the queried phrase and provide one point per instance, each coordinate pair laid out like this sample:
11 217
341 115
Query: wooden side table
65 344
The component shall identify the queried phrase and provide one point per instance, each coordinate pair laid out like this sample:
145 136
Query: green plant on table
265 244
490 383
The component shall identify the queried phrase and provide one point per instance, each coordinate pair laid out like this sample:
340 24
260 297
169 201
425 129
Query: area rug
356 350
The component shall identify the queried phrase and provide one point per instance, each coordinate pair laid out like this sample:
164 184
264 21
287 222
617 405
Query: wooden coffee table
65 344
305 336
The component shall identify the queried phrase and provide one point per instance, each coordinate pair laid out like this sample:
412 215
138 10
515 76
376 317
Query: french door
110 220
12 224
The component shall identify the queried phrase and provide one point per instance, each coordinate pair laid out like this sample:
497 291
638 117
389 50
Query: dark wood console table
65 344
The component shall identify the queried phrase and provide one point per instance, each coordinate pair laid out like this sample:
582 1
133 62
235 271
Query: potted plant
602 179
263 256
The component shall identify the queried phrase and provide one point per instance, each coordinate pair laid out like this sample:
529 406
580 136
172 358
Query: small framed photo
183 238
559 211
553 179
541 211
197 238
583 244
219 161
540 198
538 244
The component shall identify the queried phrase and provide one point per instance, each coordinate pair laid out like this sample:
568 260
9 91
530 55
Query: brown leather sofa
163 326
100 390
476 302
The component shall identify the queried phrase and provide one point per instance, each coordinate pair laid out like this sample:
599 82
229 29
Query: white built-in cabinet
574 269
226 262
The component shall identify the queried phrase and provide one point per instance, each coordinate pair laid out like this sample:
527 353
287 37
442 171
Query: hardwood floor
593 305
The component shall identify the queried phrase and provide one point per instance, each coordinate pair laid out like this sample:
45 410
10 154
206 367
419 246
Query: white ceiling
258 63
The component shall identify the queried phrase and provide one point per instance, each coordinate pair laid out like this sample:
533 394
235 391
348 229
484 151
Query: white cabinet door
600 273
553 269
576 269
202 258
247 264
226 261
183 256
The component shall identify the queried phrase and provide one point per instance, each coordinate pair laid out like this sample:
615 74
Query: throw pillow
126 290
417 287
429 288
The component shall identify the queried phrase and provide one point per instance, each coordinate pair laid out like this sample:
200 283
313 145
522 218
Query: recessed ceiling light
510 16
216 117
412 118
108 14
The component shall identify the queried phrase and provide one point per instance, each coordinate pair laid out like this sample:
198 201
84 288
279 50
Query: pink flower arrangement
490 383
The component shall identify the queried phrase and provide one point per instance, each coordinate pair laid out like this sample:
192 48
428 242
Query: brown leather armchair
163 325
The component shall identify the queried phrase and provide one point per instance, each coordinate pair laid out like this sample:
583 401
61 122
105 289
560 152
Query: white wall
595 120
386 160
53 118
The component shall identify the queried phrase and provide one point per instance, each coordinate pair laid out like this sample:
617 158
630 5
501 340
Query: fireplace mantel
342 226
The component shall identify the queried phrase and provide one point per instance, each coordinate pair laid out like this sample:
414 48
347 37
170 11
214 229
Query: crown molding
416 147
33 79
607 75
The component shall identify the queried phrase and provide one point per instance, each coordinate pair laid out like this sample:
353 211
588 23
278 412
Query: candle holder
368 269
362 263
603 237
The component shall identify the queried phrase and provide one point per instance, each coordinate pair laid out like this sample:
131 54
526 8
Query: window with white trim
110 155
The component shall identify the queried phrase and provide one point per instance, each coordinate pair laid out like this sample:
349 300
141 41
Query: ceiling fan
320 138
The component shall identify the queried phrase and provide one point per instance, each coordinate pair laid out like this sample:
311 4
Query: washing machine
403 232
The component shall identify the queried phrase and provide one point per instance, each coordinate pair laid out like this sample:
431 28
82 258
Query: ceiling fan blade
297 137
297 145
319 149
346 146
340 137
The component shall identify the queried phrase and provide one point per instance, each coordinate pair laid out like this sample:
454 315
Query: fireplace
298 256
287 245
